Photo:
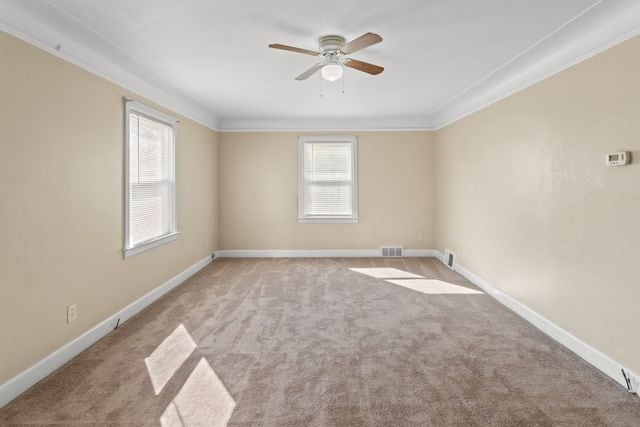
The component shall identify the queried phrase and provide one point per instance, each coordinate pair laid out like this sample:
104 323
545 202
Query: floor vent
391 251
449 258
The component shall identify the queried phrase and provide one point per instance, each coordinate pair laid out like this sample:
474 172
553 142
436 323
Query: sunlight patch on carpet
168 357
434 287
386 273
202 401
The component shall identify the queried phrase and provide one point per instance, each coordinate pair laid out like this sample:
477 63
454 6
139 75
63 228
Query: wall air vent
392 251
449 258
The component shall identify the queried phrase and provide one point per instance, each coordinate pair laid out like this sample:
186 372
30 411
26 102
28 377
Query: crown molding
48 28
597 29
320 124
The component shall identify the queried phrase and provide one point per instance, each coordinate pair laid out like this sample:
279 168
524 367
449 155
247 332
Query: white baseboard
23 381
439 256
595 357
316 253
429 253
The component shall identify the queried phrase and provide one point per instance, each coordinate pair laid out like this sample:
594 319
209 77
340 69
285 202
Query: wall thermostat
620 158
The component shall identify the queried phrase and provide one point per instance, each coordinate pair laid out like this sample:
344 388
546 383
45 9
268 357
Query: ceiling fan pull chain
321 92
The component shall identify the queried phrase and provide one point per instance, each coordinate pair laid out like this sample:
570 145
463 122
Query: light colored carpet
311 342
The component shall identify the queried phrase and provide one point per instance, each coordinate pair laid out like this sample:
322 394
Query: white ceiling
212 56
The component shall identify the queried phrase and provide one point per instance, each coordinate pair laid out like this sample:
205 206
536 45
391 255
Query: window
327 179
150 199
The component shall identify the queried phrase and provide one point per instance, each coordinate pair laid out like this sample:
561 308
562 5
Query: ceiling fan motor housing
331 43
334 52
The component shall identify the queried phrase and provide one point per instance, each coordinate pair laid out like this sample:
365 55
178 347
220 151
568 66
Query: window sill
129 252
328 220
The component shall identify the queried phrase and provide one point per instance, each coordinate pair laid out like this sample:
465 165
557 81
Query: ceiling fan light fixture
333 52
332 72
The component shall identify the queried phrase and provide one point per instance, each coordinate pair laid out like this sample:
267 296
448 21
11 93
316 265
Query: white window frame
144 110
344 219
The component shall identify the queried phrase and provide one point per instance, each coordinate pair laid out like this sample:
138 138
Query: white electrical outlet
72 313
421 236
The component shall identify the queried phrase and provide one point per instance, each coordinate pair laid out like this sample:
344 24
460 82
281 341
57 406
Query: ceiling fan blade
293 49
361 42
311 71
364 66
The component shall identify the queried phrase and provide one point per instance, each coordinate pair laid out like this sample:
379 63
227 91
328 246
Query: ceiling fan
334 51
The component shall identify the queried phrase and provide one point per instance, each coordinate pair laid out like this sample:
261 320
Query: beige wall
61 210
520 188
259 193
524 198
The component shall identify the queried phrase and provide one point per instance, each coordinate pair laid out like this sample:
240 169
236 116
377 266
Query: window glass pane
327 179
150 179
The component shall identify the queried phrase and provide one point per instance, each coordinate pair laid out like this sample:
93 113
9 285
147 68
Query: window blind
150 180
328 184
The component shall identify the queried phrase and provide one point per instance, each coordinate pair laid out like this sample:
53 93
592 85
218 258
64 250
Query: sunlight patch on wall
434 287
202 401
167 358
